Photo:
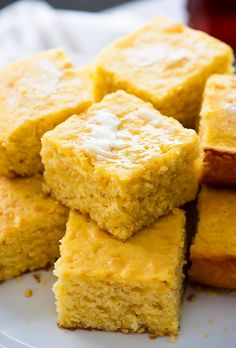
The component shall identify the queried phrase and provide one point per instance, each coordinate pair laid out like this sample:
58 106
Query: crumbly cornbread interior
106 284
132 186
31 226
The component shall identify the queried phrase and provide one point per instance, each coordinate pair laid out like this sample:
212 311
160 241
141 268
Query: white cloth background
29 26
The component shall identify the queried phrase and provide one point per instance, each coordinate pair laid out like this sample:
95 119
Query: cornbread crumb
213 293
146 166
210 322
197 325
165 63
191 297
125 331
205 335
100 285
28 292
226 329
37 277
173 339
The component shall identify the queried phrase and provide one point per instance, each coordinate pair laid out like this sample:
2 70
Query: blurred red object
216 17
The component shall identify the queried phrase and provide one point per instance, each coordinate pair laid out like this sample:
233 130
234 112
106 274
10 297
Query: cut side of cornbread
36 94
122 162
165 63
109 285
31 226
218 130
213 253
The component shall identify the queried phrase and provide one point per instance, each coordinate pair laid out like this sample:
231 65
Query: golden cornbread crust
165 63
31 226
219 167
127 188
213 252
100 285
36 94
212 269
217 130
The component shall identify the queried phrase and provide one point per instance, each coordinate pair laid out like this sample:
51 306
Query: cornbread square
109 285
36 94
122 162
165 63
218 130
31 226
213 252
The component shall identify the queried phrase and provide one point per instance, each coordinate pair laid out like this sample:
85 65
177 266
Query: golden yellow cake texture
218 130
86 73
109 285
213 252
31 226
122 162
165 63
36 94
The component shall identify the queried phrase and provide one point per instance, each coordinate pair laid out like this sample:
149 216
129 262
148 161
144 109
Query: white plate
207 322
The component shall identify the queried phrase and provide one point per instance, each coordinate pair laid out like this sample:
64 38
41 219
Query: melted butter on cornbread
48 78
108 132
104 135
165 63
37 86
149 54
36 94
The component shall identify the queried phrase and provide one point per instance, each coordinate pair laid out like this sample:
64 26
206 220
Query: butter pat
104 135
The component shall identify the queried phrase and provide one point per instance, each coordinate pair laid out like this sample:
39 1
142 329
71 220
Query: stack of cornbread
213 253
36 94
124 165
